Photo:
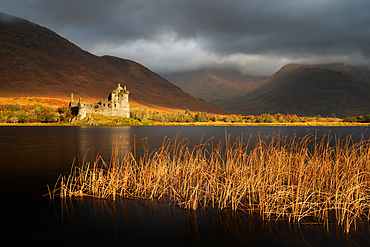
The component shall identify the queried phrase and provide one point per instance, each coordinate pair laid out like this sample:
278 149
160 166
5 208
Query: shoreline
323 124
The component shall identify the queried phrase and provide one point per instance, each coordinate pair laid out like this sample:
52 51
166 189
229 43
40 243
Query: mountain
215 86
309 90
36 62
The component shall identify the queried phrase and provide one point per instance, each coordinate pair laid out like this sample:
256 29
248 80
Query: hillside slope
309 90
36 62
215 86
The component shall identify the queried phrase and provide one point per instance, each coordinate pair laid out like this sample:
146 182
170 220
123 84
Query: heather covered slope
309 90
215 86
36 62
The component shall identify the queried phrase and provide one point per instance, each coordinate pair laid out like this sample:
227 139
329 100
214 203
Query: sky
256 37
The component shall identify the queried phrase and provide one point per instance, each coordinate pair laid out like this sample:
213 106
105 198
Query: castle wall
116 105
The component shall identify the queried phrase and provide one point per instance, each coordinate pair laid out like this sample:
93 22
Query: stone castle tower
117 104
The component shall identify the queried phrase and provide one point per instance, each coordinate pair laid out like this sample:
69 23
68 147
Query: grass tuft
277 177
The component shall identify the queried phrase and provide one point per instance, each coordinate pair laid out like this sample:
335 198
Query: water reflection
103 140
138 222
138 139
32 157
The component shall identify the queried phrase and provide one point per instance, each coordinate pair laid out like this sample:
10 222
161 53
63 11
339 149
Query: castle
116 105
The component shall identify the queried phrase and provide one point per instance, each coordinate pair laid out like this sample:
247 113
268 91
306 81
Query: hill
215 86
36 62
309 90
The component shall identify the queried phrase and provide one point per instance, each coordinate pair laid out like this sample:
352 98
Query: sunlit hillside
36 62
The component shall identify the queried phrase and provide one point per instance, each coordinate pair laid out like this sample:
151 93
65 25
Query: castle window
108 104
115 105
103 104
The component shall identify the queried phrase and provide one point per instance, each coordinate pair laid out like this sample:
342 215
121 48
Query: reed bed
290 178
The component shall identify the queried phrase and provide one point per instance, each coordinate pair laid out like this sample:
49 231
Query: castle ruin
117 104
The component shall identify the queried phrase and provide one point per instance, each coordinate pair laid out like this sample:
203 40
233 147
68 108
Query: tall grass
276 177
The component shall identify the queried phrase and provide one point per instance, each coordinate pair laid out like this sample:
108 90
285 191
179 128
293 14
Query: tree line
187 116
11 113
358 119
33 114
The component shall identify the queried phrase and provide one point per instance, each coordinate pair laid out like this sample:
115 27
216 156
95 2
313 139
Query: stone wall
117 104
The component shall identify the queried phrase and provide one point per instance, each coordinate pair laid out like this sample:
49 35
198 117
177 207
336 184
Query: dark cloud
291 30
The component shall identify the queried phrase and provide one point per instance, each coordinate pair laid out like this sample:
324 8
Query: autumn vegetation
189 117
37 113
33 114
299 179
358 119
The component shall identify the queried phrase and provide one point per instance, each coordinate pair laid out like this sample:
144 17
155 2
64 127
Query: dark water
32 157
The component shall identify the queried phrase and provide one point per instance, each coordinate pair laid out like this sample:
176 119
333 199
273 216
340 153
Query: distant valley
305 90
215 86
308 90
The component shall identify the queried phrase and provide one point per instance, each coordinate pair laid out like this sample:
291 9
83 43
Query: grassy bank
295 179
137 122
62 116
259 124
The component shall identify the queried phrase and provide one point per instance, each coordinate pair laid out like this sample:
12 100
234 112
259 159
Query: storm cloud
254 36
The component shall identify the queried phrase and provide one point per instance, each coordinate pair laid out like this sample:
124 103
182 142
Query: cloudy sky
254 36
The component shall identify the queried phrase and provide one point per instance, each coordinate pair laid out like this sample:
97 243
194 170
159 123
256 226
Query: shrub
13 120
364 119
214 118
350 119
201 117
32 119
259 119
65 113
53 117
22 116
141 113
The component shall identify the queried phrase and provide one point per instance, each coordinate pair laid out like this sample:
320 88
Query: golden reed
276 177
